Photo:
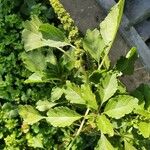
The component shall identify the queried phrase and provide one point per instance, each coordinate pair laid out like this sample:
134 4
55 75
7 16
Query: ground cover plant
60 91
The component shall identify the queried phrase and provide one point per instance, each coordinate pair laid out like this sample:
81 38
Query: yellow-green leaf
29 114
62 116
104 125
120 105
144 128
104 144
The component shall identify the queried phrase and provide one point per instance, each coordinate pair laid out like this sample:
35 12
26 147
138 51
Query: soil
87 14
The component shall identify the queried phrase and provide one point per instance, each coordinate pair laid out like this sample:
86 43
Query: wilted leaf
121 105
62 116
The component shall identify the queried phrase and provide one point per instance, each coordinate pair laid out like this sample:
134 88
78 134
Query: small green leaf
94 44
56 93
89 97
128 146
108 87
126 64
104 125
44 105
104 144
144 128
35 141
142 112
62 116
73 93
121 105
29 114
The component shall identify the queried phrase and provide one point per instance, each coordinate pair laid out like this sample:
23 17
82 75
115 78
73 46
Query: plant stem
82 123
64 52
101 64
79 130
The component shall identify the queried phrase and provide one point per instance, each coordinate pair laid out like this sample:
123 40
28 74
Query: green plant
87 101
69 95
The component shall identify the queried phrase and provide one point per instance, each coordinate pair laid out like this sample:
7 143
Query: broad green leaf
104 125
108 87
82 95
56 93
73 93
121 105
29 114
36 61
34 78
109 27
44 105
62 116
126 64
51 32
33 38
33 24
144 128
94 44
89 97
44 65
128 146
104 144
